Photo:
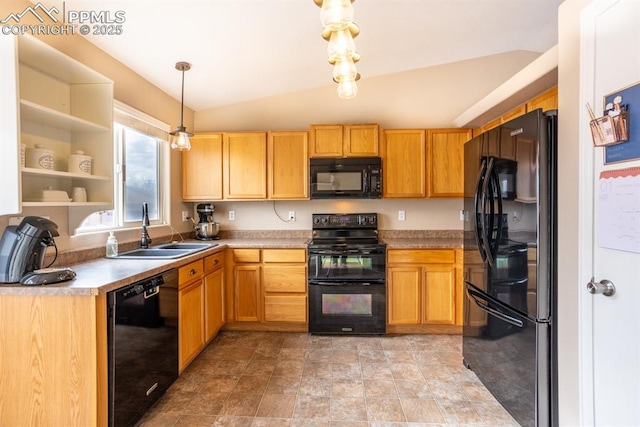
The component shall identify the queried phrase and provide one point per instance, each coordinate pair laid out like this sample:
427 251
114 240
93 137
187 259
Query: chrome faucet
145 240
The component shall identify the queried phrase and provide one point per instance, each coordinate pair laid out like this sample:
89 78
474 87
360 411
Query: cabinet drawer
421 256
246 255
190 272
285 308
472 257
284 255
285 278
213 262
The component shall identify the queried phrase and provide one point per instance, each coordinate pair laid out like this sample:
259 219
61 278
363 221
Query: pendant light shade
339 30
180 139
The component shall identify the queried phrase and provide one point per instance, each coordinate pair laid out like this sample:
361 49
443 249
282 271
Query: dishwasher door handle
151 292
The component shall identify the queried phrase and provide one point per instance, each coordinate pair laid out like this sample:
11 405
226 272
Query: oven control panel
366 220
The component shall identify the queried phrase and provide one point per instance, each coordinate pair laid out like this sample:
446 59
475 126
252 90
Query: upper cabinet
547 100
423 163
288 167
245 165
63 107
205 155
445 154
403 163
343 140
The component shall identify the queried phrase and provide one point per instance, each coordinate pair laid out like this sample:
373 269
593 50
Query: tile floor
294 379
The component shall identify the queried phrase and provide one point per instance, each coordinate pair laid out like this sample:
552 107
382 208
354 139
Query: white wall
429 97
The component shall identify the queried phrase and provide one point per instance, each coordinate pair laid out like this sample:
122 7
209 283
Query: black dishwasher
142 335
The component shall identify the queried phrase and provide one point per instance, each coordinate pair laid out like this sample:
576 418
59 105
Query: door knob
604 287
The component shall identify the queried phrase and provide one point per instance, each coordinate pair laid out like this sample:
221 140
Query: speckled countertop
101 275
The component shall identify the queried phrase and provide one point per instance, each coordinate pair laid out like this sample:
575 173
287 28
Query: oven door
347 307
348 265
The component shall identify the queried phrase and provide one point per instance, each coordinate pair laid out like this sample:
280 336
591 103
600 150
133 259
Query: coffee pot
23 247
206 228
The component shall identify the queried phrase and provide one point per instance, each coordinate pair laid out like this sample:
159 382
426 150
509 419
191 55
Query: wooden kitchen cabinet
214 315
548 100
288 165
421 287
445 157
344 140
54 360
284 277
245 165
191 336
205 155
403 163
270 285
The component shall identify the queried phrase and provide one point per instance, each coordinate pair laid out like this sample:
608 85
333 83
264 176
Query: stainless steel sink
191 246
167 251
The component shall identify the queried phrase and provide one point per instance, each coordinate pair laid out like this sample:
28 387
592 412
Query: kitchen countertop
423 243
103 275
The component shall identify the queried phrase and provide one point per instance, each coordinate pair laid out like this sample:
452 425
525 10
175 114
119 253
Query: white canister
39 157
79 163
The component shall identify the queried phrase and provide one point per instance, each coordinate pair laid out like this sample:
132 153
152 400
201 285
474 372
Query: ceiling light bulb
181 139
344 69
336 14
341 44
347 88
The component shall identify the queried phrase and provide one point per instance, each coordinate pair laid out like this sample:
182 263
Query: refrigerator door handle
478 214
496 194
477 295
487 196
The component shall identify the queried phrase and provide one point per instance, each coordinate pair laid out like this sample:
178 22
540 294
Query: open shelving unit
66 107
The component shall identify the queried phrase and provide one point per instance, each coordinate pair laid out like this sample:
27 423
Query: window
140 173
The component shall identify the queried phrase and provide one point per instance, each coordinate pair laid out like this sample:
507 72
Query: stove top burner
344 230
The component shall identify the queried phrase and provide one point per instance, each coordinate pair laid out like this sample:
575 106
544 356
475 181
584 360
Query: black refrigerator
509 334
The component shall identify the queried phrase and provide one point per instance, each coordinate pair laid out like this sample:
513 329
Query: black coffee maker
22 247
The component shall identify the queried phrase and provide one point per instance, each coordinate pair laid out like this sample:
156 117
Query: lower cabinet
270 285
213 295
284 277
200 305
423 287
190 312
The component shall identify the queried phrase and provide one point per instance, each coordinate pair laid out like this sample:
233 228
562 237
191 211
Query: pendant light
339 30
180 135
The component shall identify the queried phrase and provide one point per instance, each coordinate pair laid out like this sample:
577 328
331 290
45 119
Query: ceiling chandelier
339 30
180 139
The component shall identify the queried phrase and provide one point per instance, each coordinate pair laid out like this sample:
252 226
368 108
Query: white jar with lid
39 157
78 162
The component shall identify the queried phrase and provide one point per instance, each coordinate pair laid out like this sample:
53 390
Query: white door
610 61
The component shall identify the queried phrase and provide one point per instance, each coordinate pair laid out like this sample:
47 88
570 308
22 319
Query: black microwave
349 177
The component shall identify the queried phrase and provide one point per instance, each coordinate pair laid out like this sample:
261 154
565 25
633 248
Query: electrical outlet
401 216
232 215
462 215
185 216
292 216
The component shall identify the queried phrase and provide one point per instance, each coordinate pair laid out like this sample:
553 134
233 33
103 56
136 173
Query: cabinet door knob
216 261
192 272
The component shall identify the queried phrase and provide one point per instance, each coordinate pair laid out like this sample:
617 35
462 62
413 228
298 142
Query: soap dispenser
112 246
